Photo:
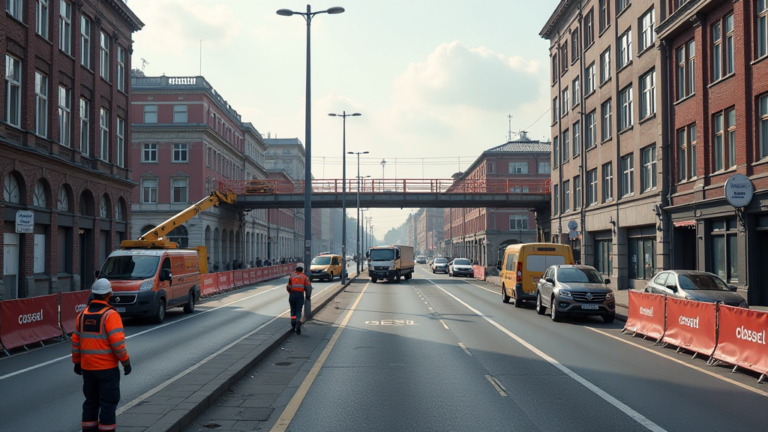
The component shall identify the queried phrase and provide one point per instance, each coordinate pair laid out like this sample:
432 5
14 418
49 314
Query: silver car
440 265
695 285
574 290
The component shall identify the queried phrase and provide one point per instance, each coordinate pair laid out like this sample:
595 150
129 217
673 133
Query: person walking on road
98 343
299 288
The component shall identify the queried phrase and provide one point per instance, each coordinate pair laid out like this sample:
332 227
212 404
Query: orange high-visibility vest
99 341
298 282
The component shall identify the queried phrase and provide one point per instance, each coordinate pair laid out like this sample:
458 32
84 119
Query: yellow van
325 266
523 266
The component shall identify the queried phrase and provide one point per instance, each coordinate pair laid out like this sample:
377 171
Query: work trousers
296 300
102 393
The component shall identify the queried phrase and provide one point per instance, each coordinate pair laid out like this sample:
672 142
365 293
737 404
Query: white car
461 267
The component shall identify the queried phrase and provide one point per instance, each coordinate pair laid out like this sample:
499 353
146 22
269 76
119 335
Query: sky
434 80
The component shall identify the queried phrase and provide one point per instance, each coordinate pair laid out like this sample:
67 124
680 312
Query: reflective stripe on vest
297 282
95 349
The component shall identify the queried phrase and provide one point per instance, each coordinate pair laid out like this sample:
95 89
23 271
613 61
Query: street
42 393
439 353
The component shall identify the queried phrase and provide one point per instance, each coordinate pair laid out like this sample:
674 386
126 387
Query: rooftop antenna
510 127
144 64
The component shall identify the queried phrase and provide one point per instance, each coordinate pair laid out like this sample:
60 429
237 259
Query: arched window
40 199
63 201
11 192
104 207
180 236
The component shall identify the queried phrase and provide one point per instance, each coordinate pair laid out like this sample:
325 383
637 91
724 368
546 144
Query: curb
185 409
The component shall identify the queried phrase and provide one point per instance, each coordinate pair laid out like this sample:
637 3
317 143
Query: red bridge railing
385 186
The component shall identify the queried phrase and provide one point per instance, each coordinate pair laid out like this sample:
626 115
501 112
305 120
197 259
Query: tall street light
308 15
344 116
358 206
363 231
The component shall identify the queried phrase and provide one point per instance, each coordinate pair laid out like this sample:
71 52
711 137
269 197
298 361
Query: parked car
421 259
461 267
440 265
695 285
574 290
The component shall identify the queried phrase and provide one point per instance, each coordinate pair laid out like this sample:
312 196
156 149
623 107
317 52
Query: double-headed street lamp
308 15
344 116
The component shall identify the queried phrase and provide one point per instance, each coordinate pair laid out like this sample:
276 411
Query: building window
85 142
627 175
41 104
566 146
555 69
625 49
589 30
762 28
575 49
104 125
642 257
555 199
150 113
41 18
576 86
576 139
648 94
120 73
85 42
518 167
647 30
686 68
605 65
566 196
179 113
577 192
65 27
518 222
149 191
491 168
725 250
725 140
15 8
149 152
626 116
120 144
621 5
565 97
544 168
589 76
555 110
763 126
556 151
603 256
180 191
65 112
605 12
605 119
722 50
608 182
104 55
648 174
591 132
592 187
686 153
180 153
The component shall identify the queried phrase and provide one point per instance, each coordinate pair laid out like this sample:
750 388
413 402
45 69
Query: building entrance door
685 248
11 266
761 260
86 258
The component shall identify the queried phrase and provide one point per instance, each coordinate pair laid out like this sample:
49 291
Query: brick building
714 55
608 149
479 233
64 116
429 231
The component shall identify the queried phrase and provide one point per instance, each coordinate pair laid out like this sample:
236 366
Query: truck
390 262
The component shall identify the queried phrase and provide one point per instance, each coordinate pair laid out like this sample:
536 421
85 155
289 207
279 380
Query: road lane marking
444 324
464 347
201 313
639 418
704 371
497 385
293 406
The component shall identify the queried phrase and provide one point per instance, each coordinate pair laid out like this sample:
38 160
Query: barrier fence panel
246 277
210 285
691 325
259 275
72 303
224 281
742 338
237 277
479 272
646 314
27 321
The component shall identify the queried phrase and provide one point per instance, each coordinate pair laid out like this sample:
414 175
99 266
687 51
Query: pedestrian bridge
392 193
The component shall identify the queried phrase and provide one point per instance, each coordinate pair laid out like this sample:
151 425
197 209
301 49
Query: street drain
284 364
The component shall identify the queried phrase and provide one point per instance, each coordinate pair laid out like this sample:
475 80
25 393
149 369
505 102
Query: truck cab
390 262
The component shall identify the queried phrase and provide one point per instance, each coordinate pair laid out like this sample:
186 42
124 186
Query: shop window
725 250
642 257
603 258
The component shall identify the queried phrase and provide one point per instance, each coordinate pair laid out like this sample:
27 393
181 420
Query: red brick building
64 125
715 57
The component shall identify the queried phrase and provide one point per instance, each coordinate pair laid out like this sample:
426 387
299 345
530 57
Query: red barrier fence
246 277
742 338
691 325
479 272
27 321
223 281
237 277
646 314
209 284
72 303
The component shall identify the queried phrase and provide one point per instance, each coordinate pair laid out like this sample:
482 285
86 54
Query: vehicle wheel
609 318
450 274
408 276
160 314
540 309
190 306
397 278
374 280
504 297
329 277
518 302
433 271
553 314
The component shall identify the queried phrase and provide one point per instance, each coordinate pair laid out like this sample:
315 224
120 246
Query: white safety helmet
101 286
299 267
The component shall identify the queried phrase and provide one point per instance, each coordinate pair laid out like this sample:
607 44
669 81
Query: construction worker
98 343
299 287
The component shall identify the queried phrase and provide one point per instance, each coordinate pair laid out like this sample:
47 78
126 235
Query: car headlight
609 296
147 285
566 294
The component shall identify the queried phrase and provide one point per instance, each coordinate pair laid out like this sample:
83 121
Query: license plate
120 309
590 306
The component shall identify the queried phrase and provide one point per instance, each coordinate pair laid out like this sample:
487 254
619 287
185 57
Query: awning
681 224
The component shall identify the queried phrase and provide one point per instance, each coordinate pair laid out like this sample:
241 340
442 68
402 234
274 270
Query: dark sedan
574 290
695 285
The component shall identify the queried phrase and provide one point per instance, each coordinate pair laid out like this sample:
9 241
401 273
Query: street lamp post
344 116
357 230
308 15
363 231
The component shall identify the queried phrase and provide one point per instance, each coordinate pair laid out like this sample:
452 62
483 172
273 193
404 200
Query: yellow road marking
497 385
444 324
704 371
293 406
464 347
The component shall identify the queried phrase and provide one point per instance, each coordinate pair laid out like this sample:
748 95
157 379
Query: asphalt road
443 354
40 391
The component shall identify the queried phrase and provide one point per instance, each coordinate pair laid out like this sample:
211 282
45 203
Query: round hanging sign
739 190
